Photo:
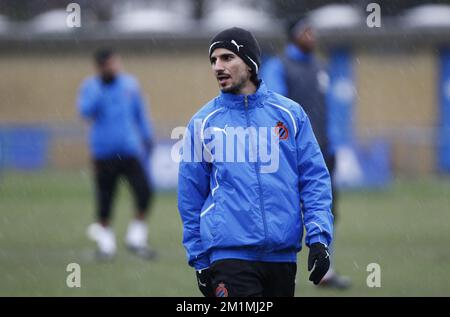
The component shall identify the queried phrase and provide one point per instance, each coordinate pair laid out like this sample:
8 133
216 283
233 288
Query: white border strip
202 136
217 183
207 209
289 113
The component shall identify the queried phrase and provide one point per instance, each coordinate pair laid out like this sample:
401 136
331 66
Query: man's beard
108 78
236 88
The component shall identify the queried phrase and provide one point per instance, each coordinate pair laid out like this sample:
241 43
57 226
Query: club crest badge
221 290
281 130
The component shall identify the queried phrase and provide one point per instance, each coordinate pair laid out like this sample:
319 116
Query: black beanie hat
242 43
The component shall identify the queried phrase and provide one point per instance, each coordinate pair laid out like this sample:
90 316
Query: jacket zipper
258 176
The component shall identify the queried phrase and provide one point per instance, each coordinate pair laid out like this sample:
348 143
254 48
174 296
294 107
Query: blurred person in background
243 225
121 141
298 75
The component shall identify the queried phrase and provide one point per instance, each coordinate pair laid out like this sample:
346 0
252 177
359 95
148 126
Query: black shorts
107 174
240 278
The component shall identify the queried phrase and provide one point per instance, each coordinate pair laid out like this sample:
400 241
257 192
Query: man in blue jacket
243 210
298 75
121 140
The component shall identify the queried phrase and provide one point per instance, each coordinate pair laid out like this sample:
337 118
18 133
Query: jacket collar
295 53
238 101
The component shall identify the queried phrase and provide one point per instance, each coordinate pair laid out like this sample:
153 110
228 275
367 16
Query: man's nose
218 65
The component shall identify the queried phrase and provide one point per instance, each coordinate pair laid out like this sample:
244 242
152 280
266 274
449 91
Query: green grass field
43 218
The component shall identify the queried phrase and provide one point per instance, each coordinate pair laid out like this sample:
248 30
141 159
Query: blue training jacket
232 210
118 114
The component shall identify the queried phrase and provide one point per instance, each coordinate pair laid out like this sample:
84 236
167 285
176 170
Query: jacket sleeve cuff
317 238
201 263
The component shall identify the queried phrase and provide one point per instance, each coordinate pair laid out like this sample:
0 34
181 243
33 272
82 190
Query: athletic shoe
136 240
105 239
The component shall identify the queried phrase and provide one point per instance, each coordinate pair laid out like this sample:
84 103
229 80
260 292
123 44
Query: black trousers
107 174
239 278
330 161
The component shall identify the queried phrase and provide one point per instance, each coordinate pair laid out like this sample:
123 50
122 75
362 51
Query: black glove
319 258
204 282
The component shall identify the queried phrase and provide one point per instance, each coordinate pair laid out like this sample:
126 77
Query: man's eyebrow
226 55
222 55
